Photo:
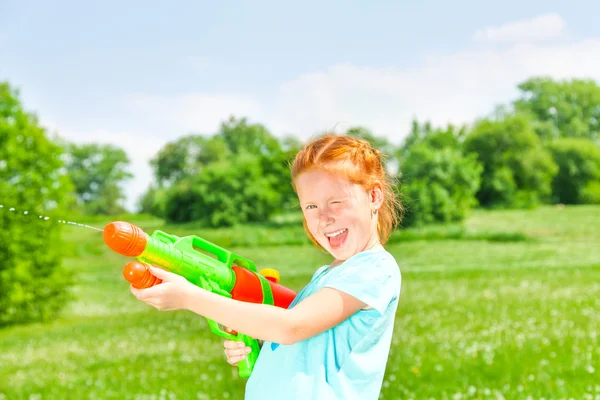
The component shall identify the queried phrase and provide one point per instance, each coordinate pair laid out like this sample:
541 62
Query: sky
141 74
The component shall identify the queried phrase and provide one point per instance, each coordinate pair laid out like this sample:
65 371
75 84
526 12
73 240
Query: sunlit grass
505 306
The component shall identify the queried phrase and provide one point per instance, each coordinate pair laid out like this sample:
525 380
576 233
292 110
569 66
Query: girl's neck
373 245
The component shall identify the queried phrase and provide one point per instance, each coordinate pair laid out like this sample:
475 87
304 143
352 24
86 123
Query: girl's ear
376 196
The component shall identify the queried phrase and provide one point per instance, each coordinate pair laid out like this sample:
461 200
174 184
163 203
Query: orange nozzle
138 275
125 238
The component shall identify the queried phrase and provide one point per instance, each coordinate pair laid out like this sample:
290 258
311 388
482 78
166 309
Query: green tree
97 171
517 170
225 193
564 108
276 169
183 165
33 284
436 138
578 175
242 137
153 201
438 184
186 156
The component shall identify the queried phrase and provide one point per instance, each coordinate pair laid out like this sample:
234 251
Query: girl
334 339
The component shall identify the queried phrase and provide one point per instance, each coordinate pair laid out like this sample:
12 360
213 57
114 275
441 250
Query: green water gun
205 265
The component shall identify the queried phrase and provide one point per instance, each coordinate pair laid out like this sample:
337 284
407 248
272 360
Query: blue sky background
139 74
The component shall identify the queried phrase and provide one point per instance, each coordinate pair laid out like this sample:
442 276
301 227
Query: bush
591 193
153 201
517 170
578 175
439 185
224 194
33 285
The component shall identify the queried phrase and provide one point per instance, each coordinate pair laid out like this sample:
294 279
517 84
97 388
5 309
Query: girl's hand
174 293
235 351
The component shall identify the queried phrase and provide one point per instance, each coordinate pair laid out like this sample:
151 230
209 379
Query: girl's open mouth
337 238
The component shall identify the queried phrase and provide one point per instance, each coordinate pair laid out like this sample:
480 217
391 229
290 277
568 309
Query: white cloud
454 88
445 88
542 27
197 112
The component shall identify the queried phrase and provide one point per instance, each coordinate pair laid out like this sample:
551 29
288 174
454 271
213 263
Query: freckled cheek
313 223
336 212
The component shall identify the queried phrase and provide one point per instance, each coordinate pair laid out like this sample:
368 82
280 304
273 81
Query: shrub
439 185
33 285
578 174
517 170
224 194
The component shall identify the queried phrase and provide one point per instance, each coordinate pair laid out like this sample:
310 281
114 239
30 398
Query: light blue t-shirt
347 361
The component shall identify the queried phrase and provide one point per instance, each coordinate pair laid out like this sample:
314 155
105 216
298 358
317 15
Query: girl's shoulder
319 271
371 276
373 260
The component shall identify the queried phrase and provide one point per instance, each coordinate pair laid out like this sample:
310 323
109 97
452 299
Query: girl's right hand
235 351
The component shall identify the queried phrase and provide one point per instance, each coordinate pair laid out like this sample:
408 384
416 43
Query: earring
374 213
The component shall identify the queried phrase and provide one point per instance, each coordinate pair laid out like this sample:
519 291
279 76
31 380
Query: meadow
503 306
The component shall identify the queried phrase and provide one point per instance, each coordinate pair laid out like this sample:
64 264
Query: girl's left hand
173 293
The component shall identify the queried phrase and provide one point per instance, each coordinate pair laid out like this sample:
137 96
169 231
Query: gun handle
246 365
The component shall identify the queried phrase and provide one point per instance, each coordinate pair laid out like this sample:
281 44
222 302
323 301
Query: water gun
203 264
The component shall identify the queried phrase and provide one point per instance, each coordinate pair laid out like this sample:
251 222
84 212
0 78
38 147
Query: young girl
334 339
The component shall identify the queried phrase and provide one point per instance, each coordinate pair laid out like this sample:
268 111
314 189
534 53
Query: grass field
504 306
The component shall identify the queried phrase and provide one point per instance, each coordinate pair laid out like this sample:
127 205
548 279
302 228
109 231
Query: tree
435 138
438 184
241 137
517 170
97 172
33 284
277 169
184 166
225 193
566 108
186 156
153 201
578 175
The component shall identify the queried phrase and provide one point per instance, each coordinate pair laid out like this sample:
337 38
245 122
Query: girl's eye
308 207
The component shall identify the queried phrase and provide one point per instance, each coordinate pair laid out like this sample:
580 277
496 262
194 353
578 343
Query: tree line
542 148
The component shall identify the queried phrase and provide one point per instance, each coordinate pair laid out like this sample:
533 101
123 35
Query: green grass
504 306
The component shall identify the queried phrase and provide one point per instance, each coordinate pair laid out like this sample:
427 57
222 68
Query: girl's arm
317 313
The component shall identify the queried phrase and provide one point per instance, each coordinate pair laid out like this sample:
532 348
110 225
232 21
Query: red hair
359 162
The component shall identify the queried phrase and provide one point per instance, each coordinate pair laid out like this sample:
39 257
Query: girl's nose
324 215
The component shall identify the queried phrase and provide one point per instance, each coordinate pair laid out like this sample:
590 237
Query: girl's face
339 214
